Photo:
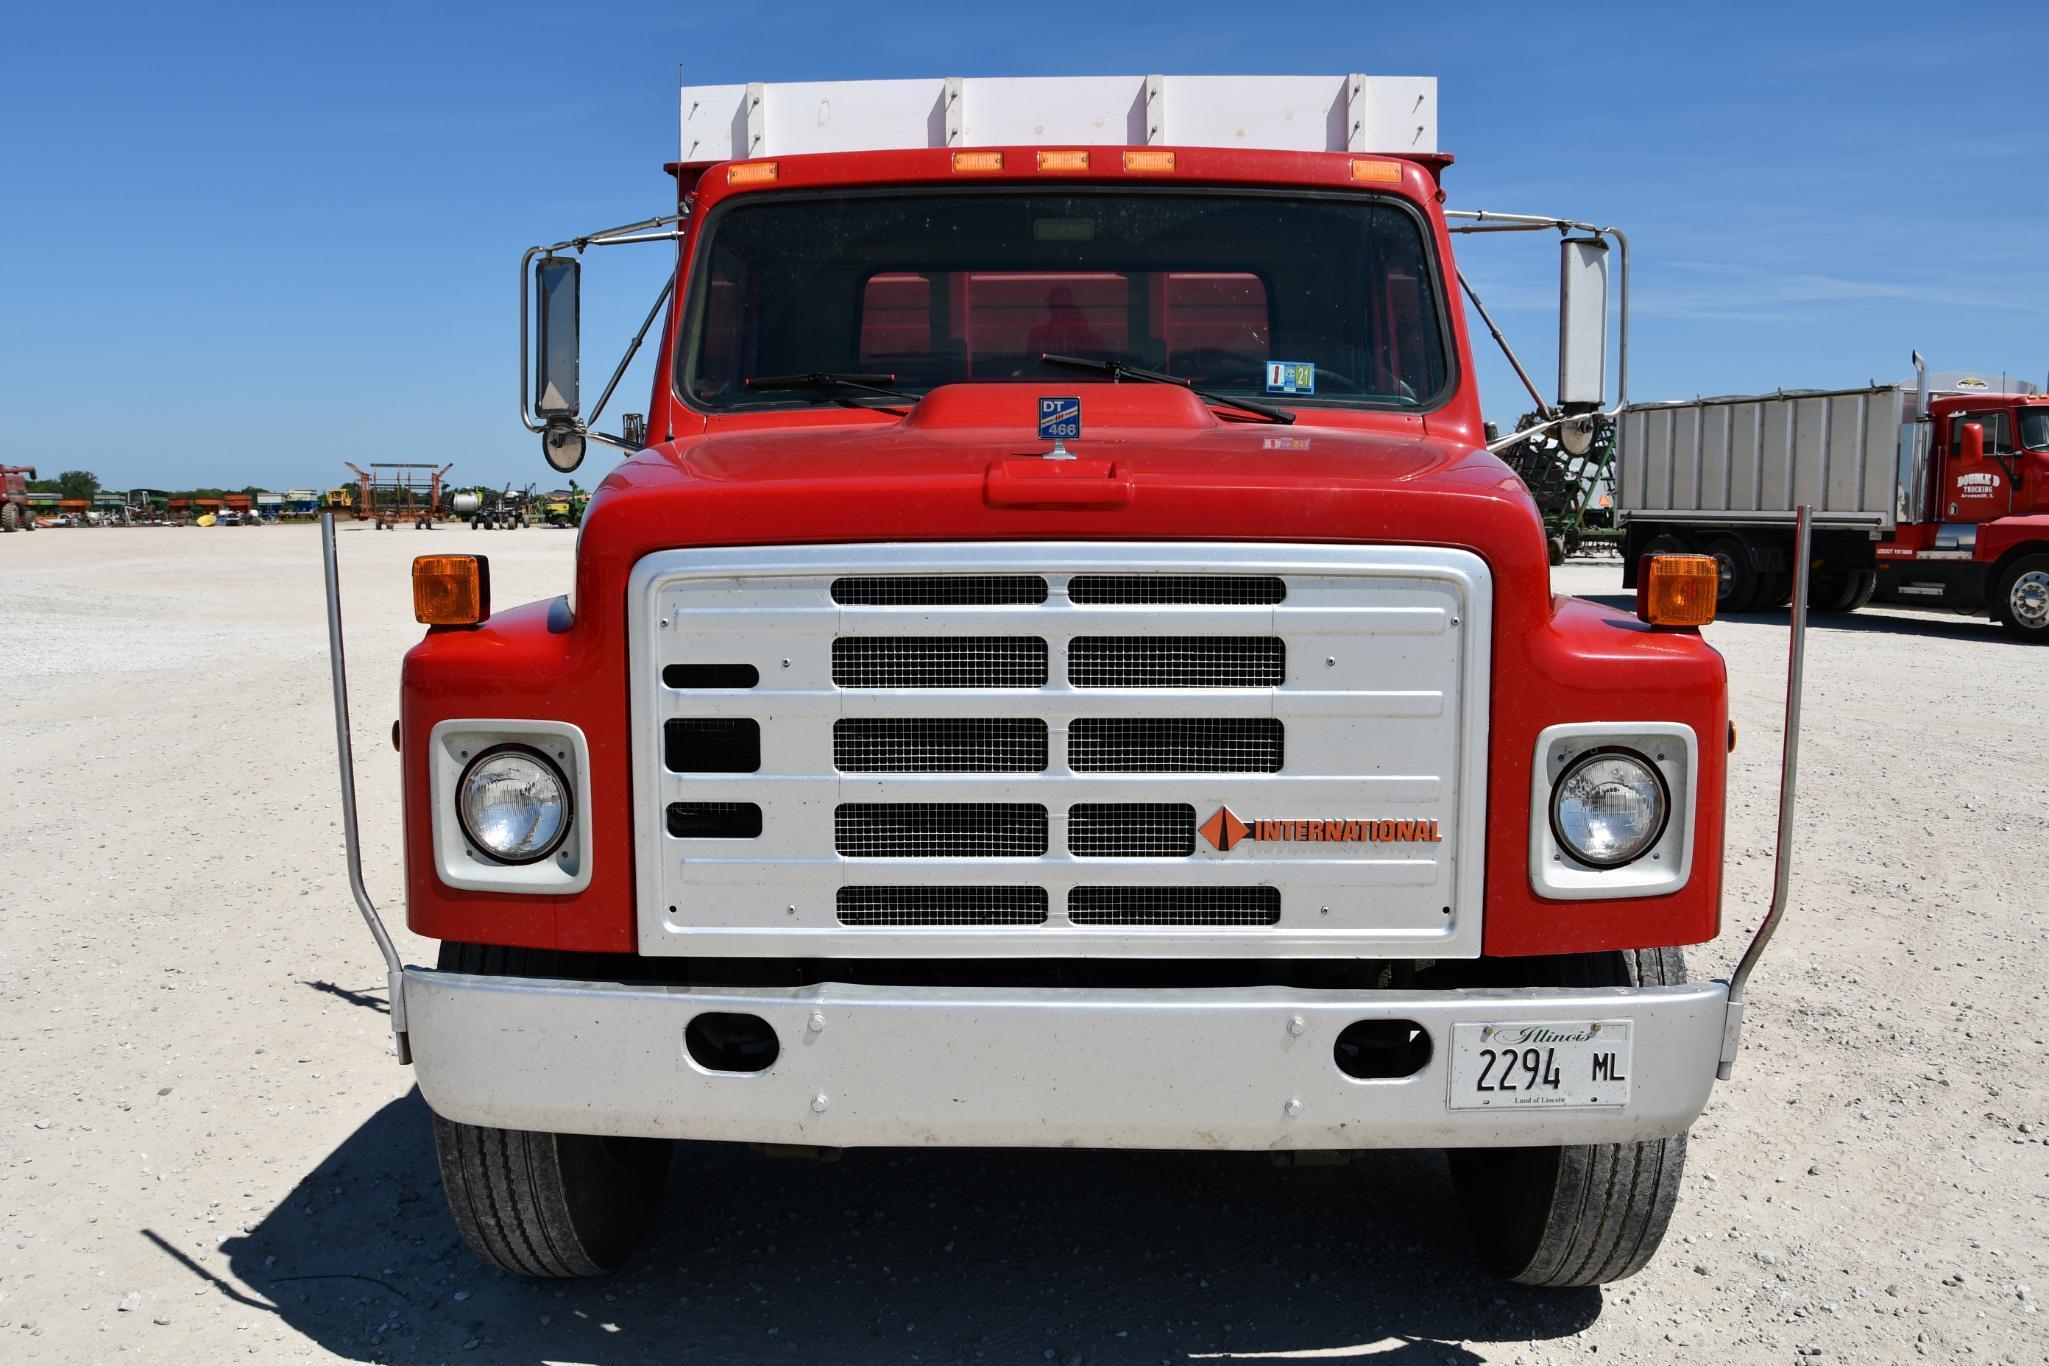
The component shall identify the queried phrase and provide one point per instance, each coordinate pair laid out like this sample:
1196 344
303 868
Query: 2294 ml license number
1544 1063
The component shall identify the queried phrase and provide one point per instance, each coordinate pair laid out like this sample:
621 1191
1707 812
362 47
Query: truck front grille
1131 830
939 744
939 590
1188 590
884 906
939 662
1170 744
895 751
1174 905
940 830
1177 662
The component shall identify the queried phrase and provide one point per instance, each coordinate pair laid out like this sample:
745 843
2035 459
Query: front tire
544 1204
2022 604
1584 1213
549 1205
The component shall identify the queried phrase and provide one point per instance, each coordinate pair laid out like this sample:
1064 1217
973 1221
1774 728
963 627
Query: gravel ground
209 1151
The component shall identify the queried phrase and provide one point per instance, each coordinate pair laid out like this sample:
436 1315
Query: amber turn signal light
1677 590
1376 172
451 590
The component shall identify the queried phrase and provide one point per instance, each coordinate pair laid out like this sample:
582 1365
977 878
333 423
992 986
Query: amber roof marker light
451 590
1677 590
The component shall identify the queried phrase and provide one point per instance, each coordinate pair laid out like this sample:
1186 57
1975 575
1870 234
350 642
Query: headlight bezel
457 861
1598 754
1674 750
562 784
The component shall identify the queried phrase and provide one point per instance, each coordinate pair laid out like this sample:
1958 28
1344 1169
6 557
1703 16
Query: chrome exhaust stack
394 970
1789 772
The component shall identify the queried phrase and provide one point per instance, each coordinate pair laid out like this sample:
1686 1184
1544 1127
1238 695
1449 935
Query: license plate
1539 1064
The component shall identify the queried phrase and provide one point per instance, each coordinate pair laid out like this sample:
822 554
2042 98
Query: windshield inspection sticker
1291 377
1060 419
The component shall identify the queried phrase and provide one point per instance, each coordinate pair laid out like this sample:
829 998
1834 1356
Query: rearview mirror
1970 442
1582 323
556 343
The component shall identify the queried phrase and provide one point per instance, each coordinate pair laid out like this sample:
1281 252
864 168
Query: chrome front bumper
865 1066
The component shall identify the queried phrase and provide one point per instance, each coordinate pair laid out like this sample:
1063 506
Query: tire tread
1609 1203
508 1189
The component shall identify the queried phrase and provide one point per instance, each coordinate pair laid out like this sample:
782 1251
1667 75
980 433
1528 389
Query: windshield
2035 428
1319 300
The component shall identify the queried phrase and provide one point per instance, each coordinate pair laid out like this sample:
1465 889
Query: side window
1998 440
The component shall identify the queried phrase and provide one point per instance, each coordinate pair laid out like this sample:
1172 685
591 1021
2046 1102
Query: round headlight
1609 808
514 804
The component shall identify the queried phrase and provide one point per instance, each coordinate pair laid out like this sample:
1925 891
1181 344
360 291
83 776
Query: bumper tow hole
722 1042
1382 1050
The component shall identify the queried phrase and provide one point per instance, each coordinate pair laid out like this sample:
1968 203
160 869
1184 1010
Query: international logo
1226 831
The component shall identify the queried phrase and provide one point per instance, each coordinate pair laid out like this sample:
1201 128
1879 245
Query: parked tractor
14 507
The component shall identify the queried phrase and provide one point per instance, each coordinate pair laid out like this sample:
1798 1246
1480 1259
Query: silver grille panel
939 744
940 830
939 662
1177 662
955 760
888 906
1131 830
1203 590
939 590
1169 744
1174 906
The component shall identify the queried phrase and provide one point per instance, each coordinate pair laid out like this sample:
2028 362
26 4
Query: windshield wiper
825 379
1118 370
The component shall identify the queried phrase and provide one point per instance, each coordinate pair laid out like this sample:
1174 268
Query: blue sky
250 242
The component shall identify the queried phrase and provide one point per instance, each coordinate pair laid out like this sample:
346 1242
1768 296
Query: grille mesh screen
942 905
939 590
1131 830
1177 662
939 745
940 830
1100 744
1197 590
939 662
1174 905
714 820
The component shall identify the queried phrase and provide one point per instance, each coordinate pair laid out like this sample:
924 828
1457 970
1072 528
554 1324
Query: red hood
1152 463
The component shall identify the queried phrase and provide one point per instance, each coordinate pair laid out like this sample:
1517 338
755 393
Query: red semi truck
1934 490
1059 666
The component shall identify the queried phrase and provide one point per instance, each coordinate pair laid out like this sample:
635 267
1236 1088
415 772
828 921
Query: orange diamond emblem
1224 829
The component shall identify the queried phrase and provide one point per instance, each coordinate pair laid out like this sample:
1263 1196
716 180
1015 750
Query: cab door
1981 489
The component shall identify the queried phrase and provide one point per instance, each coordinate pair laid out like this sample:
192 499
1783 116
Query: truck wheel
1775 589
542 1204
558 1205
2023 602
1585 1213
10 517
1841 590
1739 580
